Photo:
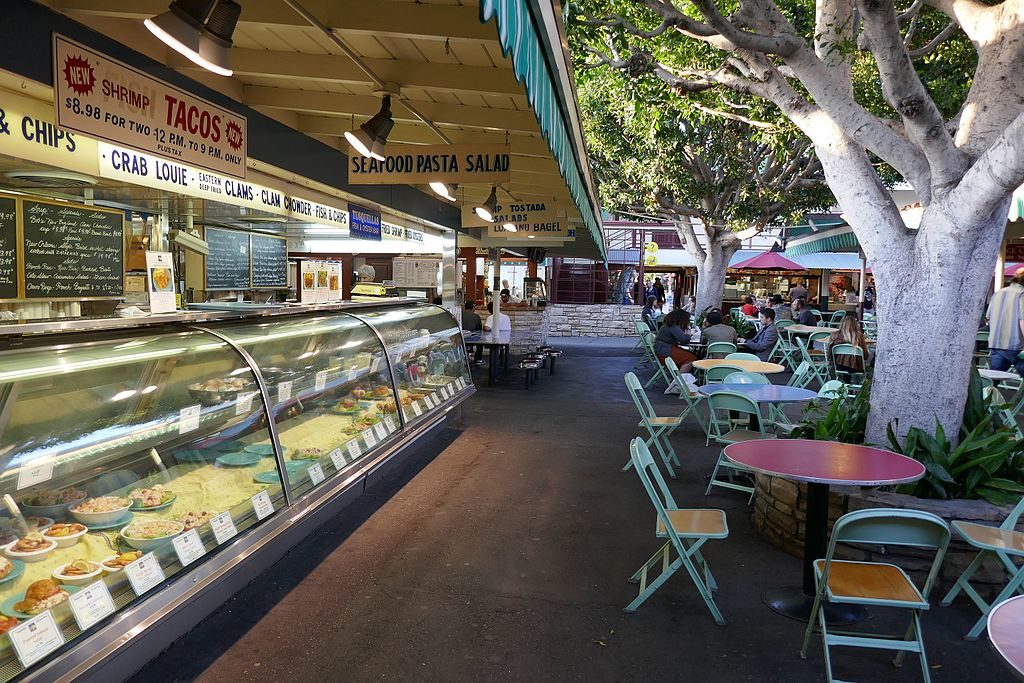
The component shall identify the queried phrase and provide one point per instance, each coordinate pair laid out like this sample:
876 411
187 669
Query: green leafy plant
743 328
844 419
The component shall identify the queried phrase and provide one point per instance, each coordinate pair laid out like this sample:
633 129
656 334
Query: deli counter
149 472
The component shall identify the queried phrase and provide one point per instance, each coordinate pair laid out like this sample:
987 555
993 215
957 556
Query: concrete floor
502 552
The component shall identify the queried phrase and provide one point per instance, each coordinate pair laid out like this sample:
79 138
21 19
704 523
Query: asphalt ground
502 549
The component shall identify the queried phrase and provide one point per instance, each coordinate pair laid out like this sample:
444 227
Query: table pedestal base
792 603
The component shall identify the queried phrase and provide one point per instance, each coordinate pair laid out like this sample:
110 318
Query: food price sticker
35 474
316 473
144 573
284 391
382 431
337 458
188 419
244 402
262 505
189 547
35 638
416 408
223 527
353 449
390 421
91 604
321 380
368 438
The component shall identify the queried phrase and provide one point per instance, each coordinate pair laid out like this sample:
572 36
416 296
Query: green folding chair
745 378
784 352
643 332
687 530
741 356
817 367
658 428
692 400
640 326
1001 543
836 318
833 389
659 368
719 349
721 406
720 372
802 376
833 350
878 584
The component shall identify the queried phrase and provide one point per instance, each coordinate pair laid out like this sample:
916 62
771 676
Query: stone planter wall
592 320
529 328
780 513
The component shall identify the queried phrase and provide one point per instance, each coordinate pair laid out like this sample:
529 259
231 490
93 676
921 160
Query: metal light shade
510 227
200 30
487 210
372 136
444 190
360 141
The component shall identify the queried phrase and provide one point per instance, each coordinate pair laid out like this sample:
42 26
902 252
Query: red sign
1015 252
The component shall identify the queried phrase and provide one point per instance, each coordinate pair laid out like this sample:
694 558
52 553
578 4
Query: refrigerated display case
142 467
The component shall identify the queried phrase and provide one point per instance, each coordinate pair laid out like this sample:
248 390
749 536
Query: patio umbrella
769 260
1011 268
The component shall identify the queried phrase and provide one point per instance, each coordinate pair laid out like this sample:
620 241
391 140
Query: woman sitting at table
649 314
849 332
749 308
674 332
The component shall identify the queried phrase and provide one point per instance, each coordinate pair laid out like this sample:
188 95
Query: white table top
997 374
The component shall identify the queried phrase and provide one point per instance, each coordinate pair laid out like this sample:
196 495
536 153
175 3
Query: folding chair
802 376
719 349
720 372
832 389
833 350
640 326
721 405
658 428
784 351
741 356
836 318
877 583
659 368
686 530
1000 543
692 400
745 378
642 332
816 365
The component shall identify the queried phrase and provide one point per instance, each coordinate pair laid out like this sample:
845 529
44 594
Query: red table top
1005 624
825 462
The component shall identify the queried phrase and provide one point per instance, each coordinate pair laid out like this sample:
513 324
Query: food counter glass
131 457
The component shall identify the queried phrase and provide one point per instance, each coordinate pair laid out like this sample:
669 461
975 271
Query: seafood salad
151 497
45 497
152 530
102 504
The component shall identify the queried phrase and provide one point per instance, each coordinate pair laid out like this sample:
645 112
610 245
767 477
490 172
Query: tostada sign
106 99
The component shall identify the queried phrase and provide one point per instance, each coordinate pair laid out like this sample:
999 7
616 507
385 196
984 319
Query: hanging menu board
227 264
269 261
8 248
72 251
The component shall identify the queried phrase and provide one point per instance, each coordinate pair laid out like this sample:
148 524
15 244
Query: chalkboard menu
227 264
269 261
72 251
8 248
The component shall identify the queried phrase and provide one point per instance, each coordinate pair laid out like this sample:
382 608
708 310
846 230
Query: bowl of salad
100 511
52 502
152 534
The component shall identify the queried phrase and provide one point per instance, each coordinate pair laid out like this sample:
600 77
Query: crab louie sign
111 101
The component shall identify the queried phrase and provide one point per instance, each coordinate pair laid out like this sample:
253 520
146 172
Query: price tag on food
223 527
144 573
390 422
353 449
189 547
36 638
316 473
337 458
416 408
188 419
262 505
284 391
91 604
35 473
244 402
321 380
369 438
375 365
382 431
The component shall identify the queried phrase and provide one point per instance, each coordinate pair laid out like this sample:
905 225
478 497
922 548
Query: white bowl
78 580
58 511
34 556
100 518
41 523
66 541
148 544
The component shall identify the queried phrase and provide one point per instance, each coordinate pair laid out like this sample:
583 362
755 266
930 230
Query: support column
448 273
469 254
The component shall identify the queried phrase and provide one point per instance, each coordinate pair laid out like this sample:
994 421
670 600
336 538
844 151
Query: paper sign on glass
35 638
337 458
353 449
382 432
188 419
189 547
416 408
316 473
144 573
223 527
368 438
284 391
91 604
390 422
35 474
321 380
243 404
262 505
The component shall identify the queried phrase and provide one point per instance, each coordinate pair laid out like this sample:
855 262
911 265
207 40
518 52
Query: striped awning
519 39
839 239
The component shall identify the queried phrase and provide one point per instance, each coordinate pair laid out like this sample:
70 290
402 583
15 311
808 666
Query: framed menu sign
72 251
269 261
227 264
8 248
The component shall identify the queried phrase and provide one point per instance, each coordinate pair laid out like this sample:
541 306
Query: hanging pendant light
509 227
200 30
372 136
487 210
446 190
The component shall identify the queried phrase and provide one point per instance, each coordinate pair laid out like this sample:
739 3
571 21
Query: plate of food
40 596
10 569
78 572
52 503
346 406
264 450
116 524
308 453
66 535
151 534
381 391
194 518
100 512
387 407
116 563
239 459
36 523
218 390
32 547
151 499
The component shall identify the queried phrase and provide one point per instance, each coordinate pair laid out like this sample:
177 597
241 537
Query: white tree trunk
712 269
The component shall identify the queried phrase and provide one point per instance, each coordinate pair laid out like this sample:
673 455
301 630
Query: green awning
519 39
838 239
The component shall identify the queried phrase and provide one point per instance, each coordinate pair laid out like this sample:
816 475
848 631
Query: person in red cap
1006 325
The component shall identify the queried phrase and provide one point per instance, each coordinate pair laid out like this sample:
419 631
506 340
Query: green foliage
743 328
844 420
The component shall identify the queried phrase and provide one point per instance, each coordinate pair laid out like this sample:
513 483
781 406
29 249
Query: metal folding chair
720 372
687 530
817 367
719 349
741 356
659 368
721 405
692 400
658 428
833 350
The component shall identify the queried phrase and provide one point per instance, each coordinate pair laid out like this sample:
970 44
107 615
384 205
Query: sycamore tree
693 165
964 164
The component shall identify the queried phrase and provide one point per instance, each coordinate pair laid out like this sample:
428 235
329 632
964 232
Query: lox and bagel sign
106 99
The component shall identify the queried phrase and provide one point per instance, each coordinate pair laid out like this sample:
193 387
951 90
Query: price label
316 473
375 365
461 383
189 547
244 402
284 391
188 419
223 527
368 438
337 458
144 573
448 391
91 604
262 505
35 638
353 449
382 431
390 422
416 408
35 474
321 380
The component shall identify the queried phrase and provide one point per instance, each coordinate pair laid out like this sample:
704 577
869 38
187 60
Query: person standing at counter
470 320
509 299
764 341
674 332
802 313
1006 325
798 292
504 322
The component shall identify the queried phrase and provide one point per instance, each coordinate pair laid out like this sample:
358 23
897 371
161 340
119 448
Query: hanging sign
365 223
534 217
109 100
390 231
423 164
27 132
1014 253
160 270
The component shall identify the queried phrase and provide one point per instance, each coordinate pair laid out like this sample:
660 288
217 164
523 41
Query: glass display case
128 458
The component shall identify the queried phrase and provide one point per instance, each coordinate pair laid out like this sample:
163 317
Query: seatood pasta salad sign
111 101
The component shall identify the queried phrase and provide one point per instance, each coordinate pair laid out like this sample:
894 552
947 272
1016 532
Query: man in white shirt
504 322
508 297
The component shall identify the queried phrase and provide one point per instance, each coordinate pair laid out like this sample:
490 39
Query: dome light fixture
446 190
200 30
509 227
372 136
487 210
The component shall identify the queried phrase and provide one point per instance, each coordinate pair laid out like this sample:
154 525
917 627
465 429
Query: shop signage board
8 248
269 260
1014 253
537 217
109 100
390 231
423 164
227 264
408 272
365 223
27 131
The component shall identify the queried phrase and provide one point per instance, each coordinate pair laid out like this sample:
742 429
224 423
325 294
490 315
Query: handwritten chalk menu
72 251
8 248
227 265
269 261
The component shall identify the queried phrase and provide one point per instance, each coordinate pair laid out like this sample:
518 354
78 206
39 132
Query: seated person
802 313
673 332
717 331
504 322
470 320
782 310
849 332
764 341
749 308
650 314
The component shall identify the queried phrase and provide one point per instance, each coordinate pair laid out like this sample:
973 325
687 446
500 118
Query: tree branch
993 177
976 19
688 236
734 117
942 36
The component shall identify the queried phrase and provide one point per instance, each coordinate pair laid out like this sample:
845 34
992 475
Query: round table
820 464
1005 625
744 365
806 329
763 393
997 375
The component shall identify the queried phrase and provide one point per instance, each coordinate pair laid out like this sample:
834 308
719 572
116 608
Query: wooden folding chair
658 428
